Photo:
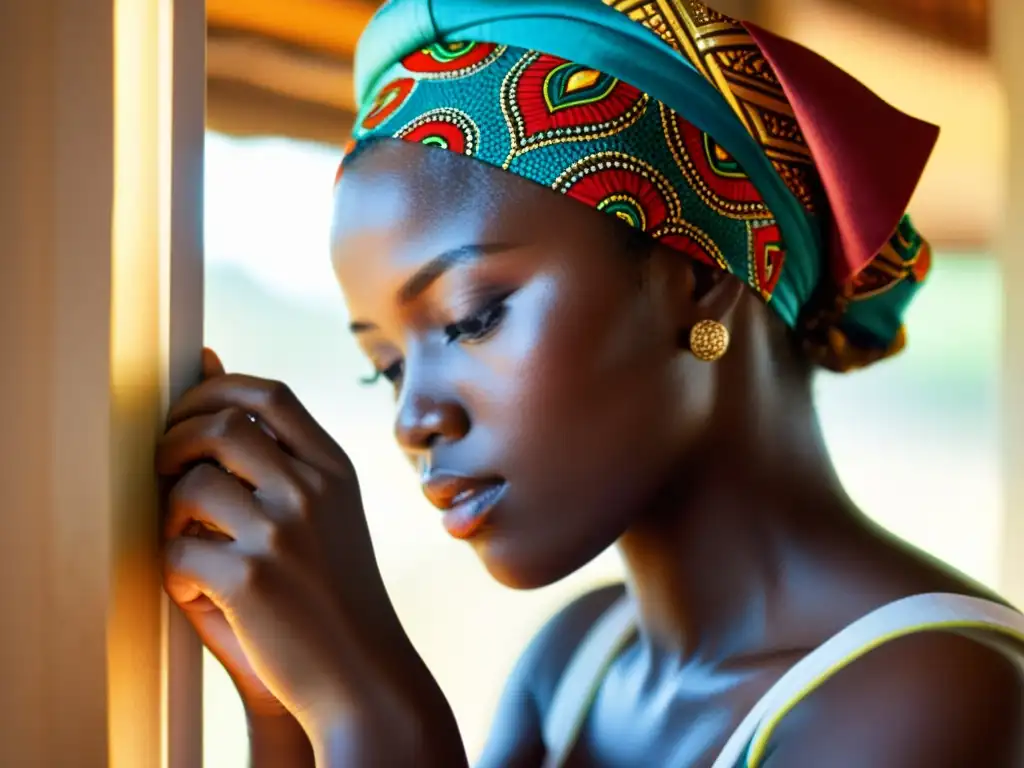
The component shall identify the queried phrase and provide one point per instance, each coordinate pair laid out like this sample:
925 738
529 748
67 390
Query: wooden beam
963 23
333 26
240 109
958 200
286 71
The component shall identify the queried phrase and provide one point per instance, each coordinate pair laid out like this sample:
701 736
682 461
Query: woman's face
536 366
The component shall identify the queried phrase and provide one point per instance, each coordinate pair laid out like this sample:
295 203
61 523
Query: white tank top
989 623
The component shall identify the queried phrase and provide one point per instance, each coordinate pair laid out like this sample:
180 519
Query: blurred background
915 439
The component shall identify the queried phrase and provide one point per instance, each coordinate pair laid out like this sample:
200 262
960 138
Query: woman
601 322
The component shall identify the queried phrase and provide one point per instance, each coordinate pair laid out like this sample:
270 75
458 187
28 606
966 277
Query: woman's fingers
275 406
208 495
212 366
229 438
196 568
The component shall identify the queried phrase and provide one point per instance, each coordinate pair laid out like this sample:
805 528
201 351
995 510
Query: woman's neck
738 548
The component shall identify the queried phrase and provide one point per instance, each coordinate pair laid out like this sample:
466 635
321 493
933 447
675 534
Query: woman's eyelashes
391 373
474 328
479 325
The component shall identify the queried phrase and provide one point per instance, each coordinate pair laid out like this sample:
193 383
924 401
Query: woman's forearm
350 746
278 742
419 731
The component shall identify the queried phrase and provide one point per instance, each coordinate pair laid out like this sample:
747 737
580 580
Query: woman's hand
268 553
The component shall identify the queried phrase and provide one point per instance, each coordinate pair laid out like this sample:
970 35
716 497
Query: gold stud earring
709 340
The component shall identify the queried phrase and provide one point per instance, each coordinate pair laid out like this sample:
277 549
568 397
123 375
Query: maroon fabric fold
870 155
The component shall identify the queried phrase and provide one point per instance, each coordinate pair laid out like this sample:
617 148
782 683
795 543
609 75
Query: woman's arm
417 729
276 741
426 735
267 551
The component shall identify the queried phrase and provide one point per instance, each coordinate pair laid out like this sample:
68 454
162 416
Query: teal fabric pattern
669 116
588 135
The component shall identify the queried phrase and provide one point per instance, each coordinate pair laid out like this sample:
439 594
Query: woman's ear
695 291
717 293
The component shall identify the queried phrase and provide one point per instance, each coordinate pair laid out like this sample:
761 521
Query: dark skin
552 356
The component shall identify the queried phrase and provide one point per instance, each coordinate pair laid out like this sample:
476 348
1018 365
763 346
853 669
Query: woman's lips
465 501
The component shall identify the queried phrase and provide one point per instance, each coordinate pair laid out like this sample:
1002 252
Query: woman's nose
423 421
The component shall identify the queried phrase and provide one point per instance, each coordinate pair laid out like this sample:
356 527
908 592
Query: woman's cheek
552 347
507 365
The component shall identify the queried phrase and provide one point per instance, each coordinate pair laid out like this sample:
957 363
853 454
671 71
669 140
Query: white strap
582 677
988 622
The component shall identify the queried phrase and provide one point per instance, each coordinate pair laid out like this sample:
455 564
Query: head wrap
720 140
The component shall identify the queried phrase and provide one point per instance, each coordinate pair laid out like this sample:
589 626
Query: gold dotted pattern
701 238
522 142
729 208
725 53
607 161
709 341
456 117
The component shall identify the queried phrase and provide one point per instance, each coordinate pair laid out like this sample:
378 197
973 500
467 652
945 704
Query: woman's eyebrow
429 273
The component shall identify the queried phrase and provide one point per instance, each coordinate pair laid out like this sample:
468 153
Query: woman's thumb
212 366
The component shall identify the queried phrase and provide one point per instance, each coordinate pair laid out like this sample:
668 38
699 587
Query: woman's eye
392 373
478 326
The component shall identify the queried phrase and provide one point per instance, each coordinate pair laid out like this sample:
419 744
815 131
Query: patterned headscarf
608 144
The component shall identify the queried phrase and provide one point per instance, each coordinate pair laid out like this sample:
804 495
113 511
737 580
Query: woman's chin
524 565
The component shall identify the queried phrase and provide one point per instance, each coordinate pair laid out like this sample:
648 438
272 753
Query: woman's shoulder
933 698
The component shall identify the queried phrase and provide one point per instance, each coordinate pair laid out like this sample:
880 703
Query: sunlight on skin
915 439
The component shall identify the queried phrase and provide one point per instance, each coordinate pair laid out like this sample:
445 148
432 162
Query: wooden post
1007 28
56 191
100 298
182 337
